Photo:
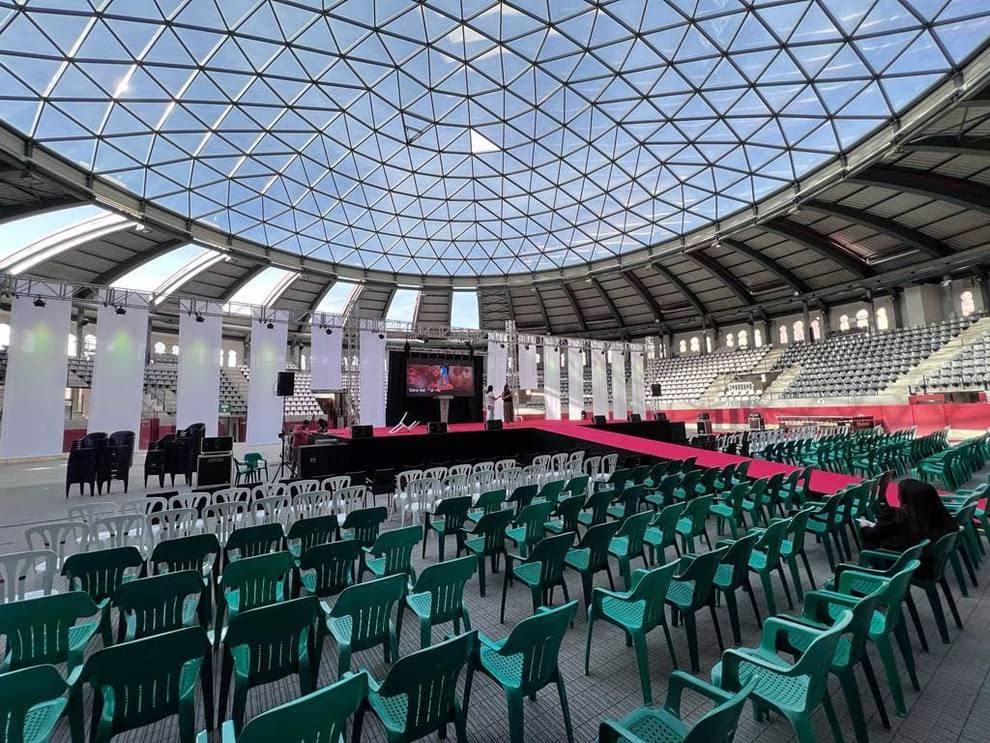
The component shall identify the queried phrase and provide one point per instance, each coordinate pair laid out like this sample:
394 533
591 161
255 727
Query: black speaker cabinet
286 384
437 427
362 432
634 418
218 444
318 460
598 420
656 390
493 425
659 416
214 469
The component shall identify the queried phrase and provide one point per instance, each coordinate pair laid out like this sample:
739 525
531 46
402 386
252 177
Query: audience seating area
206 582
687 377
969 369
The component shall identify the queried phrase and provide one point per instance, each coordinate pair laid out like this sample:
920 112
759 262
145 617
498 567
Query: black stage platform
665 431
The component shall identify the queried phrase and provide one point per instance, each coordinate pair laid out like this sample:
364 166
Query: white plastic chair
304 486
171 524
503 464
222 518
422 494
435 473
196 499
118 531
333 484
28 574
62 537
607 467
348 499
483 467
233 495
316 503
275 509
90 512
484 481
459 469
142 506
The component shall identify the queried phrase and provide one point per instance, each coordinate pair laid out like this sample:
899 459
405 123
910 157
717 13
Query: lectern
444 401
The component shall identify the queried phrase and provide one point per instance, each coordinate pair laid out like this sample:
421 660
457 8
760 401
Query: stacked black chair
157 462
83 466
115 463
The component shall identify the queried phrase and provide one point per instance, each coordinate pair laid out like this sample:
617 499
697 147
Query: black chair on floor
383 483
84 462
115 464
157 461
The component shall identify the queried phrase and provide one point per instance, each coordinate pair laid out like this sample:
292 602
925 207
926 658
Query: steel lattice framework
467 138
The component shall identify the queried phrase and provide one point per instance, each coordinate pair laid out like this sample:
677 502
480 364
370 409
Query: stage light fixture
381 336
200 318
328 331
270 325
121 310
39 302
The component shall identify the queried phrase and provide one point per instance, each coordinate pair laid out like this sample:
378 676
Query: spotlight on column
270 325
121 310
328 331
39 302
200 318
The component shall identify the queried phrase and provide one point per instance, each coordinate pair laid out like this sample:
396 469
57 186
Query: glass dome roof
468 137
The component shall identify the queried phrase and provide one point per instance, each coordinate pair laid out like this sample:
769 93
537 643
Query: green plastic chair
691 588
450 513
419 695
541 571
733 574
327 569
792 547
249 584
565 515
250 468
251 541
664 724
100 574
887 625
942 551
662 494
730 510
487 539
627 503
526 661
793 690
637 612
850 651
392 552
662 532
361 619
438 597
591 556
765 559
198 552
162 603
825 522
31 702
487 503
551 491
577 486
363 524
527 529
267 644
318 716
692 524
51 630
627 544
595 510
522 496
688 488
141 682
306 533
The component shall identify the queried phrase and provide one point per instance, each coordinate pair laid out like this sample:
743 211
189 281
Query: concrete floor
951 706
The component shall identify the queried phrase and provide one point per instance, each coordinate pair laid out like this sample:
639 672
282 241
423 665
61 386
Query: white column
637 379
34 388
118 370
551 379
527 365
575 380
619 404
326 344
495 363
268 348
599 381
198 393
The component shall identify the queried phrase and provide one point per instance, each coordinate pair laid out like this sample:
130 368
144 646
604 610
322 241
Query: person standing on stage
491 398
508 406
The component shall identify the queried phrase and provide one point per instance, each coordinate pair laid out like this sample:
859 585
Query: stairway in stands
916 375
783 380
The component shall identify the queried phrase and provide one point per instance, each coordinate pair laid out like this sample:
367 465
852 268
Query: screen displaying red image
425 378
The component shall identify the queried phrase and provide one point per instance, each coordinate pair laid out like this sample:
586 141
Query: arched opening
967 304
695 345
89 344
882 322
72 346
175 349
159 348
862 319
730 340
302 361
682 346
757 337
232 358
708 343
816 329
743 337
4 335
798 331
782 333
843 323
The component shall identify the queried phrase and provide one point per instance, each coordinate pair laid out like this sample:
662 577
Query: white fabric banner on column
527 366
637 380
34 391
372 378
198 395
619 404
495 373
551 380
325 351
118 371
575 382
599 382
264 408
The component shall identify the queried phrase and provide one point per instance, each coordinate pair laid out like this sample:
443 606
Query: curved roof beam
640 288
797 285
930 246
123 268
716 269
822 245
689 295
957 191
572 300
243 281
543 309
57 242
612 308
19 211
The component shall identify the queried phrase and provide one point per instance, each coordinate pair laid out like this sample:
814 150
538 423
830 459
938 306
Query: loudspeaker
437 427
286 385
655 390
634 418
217 444
598 420
362 432
318 460
214 469
659 416
493 425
